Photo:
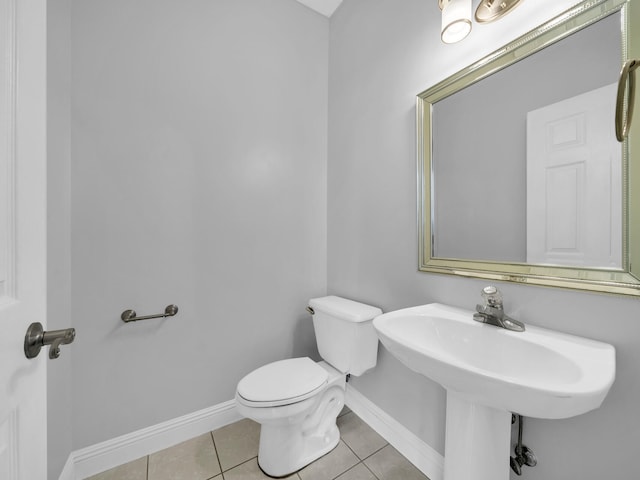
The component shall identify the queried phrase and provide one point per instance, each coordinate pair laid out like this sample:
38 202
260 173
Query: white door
574 182
23 422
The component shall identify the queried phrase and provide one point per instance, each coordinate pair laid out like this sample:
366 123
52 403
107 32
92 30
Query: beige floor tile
389 464
359 472
334 463
250 471
136 470
237 443
359 436
194 459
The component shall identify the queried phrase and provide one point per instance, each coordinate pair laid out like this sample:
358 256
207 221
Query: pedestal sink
489 372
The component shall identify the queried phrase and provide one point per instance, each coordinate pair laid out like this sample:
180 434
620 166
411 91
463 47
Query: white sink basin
536 373
489 372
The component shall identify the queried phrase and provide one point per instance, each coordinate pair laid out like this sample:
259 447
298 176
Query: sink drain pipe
524 455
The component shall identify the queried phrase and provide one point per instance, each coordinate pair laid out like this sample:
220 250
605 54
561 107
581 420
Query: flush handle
36 338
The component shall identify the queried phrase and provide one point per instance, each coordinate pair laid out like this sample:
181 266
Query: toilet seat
282 383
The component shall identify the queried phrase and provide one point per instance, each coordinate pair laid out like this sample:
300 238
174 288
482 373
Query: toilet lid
283 382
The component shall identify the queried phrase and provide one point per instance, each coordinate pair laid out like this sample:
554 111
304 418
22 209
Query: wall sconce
456 20
456 16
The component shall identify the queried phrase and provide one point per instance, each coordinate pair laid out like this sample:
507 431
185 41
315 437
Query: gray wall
382 53
59 398
481 185
199 144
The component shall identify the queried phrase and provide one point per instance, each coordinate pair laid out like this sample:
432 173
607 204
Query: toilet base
285 449
314 452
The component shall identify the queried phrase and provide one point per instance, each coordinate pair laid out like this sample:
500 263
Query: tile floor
230 453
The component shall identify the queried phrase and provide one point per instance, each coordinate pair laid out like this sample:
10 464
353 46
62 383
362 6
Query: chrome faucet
492 312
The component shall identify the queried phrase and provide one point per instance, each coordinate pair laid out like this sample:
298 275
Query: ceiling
325 7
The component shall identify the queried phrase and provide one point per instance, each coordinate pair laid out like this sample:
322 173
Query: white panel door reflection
574 182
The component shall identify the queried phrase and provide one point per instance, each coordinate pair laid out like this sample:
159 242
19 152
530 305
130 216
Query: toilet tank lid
345 308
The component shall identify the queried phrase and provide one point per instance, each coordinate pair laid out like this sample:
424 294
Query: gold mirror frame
623 281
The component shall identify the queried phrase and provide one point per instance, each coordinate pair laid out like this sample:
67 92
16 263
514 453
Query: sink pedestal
477 440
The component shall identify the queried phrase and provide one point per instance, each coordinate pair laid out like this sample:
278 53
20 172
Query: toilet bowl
297 401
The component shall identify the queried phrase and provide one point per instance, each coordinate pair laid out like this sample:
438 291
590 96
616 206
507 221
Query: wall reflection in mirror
525 164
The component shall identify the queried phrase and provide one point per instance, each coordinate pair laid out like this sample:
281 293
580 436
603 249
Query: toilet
296 401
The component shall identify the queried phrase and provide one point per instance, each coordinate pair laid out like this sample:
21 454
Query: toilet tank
344 333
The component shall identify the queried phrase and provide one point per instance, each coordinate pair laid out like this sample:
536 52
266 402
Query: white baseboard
423 456
68 472
117 451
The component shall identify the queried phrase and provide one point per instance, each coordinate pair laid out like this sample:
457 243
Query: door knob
36 338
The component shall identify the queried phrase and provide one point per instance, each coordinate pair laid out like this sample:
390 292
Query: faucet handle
492 296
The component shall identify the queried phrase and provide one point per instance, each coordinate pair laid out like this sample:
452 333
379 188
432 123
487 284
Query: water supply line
524 455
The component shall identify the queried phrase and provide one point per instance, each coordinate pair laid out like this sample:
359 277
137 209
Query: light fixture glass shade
456 20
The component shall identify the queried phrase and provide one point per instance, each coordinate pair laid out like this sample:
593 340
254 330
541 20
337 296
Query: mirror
521 175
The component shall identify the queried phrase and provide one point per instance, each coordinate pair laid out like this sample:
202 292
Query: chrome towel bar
131 315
